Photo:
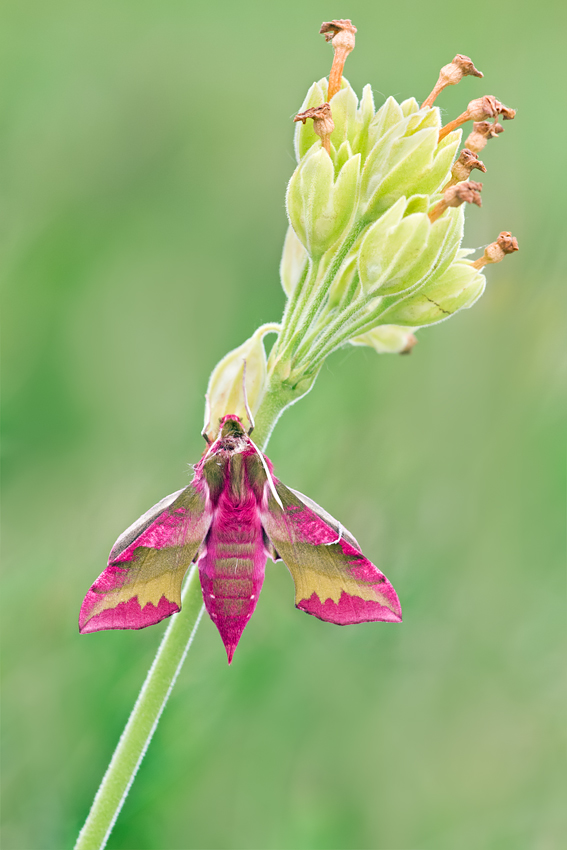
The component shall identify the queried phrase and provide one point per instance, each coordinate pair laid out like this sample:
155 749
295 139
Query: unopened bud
479 109
342 35
323 123
467 161
228 391
467 192
482 131
496 251
318 205
458 288
451 74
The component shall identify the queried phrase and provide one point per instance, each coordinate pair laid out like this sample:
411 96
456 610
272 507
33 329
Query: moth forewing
333 579
142 582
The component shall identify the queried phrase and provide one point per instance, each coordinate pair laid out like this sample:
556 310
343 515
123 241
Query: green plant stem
290 323
313 304
144 718
291 306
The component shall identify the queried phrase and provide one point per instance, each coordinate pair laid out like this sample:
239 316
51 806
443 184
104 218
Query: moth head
231 426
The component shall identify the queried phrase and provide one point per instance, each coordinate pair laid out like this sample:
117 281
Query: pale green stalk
144 718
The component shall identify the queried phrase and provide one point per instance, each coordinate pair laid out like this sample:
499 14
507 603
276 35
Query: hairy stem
290 324
144 718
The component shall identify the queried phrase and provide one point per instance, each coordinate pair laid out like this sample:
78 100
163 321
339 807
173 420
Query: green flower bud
409 106
294 258
225 392
344 106
389 115
343 154
403 251
388 339
364 115
394 168
458 288
320 208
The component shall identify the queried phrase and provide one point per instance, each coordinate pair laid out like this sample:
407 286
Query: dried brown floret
451 74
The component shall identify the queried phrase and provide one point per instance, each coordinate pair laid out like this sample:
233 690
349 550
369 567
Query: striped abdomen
232 569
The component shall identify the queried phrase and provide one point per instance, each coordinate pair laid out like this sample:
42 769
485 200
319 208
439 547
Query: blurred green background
145 152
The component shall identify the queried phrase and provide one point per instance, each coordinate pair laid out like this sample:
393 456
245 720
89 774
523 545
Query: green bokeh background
145 151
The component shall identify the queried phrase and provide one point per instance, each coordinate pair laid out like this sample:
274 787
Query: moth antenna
207 419
339 538
271 484
248 411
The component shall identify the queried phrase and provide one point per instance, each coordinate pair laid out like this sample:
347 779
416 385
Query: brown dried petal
322 116
483 107
467 192
487 129
482 131
330 28
465 164
507 242
465 64
489 107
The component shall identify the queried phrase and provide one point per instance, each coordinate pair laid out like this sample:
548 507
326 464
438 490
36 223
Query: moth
230 519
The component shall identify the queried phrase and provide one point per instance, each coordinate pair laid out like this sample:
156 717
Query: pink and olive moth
230 519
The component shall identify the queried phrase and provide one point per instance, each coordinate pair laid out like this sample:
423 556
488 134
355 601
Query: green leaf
457 289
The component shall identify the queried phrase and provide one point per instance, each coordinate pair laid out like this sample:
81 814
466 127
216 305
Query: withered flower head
467 192
482 131
322 116
496 251
323 123
464 165
488 107
479 109
507 242
331 28
451 74
466 66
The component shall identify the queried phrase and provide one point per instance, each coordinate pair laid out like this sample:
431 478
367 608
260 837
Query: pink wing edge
311 527
156 529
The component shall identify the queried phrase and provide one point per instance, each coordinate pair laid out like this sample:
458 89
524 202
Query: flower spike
480 109
450 75
496 251
467 192
342 34
323 123
463 166
482 131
